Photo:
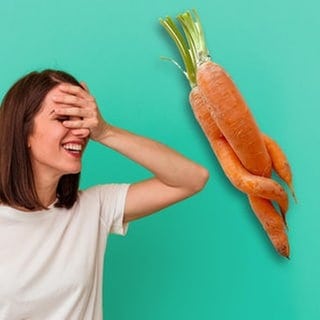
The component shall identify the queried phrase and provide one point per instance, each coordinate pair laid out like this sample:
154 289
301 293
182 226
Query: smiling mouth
73 147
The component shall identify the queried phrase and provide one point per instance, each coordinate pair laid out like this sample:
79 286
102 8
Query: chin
73 171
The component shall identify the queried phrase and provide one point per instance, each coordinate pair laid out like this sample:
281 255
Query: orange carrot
230 129
234 118
272 224
257 187
242 179
280 162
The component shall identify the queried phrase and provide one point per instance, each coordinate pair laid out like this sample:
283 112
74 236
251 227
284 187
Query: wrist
103 133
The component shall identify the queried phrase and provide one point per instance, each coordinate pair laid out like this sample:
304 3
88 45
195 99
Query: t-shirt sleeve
113 199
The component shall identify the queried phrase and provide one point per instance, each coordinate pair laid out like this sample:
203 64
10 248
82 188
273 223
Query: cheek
36 140
42 144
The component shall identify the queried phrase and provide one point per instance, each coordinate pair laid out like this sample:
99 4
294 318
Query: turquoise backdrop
206 257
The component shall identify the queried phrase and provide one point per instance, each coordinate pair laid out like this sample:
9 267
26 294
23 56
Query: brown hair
18 109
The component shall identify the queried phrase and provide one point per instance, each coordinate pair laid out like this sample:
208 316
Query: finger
84 85
70 100
58 106
74 124
72 112
74 90
82 133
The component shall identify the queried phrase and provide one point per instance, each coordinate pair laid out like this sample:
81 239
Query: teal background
206 257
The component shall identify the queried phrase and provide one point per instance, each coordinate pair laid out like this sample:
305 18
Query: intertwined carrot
272 224
244 153
243 180
259 188
234 118
280 163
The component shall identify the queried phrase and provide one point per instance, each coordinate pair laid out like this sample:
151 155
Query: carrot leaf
191 43
182 45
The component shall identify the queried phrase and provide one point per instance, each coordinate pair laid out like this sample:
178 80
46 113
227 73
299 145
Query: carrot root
272 224
234 118
242 179
230 128
280 163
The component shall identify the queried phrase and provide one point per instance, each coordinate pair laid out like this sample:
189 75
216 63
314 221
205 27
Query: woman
53 236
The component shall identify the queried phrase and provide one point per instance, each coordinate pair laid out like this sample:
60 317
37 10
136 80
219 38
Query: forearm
167 165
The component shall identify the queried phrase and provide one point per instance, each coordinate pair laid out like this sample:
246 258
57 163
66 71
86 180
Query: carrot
243 180
272 224
280 163
234 118
229 109
231 130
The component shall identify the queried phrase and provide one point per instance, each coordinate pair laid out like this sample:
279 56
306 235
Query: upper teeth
73 146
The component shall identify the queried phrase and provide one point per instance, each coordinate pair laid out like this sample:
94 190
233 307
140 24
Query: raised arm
174 176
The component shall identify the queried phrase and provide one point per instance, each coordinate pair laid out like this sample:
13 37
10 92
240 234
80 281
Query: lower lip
74 154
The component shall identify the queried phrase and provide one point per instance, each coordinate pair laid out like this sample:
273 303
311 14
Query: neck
47 196
46 190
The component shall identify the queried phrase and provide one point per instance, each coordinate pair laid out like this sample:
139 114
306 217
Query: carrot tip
283 215
283 249
285 254
293 193
294 197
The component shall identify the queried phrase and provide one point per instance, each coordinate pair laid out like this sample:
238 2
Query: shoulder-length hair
18 109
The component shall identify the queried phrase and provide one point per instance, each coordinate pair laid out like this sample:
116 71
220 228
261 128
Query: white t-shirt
51 261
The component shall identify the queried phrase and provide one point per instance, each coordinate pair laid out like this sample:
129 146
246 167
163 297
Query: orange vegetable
272 224
243 180
258 188
234 118
280 163
245 155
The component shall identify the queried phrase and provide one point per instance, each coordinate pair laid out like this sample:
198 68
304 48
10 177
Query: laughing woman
52 235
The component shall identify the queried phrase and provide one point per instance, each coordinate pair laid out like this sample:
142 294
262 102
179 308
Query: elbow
201 178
